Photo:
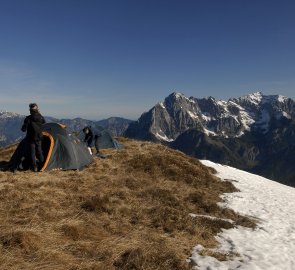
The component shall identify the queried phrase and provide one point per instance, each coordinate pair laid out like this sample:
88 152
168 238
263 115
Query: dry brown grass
130 211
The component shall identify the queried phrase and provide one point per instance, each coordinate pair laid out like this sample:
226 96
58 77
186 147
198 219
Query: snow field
272 244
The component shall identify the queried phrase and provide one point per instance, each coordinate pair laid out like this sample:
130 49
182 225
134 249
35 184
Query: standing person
32 125
88 139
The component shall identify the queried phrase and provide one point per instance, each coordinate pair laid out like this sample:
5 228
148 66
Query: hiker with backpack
32 125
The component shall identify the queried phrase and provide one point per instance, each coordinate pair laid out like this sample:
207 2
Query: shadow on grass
4 166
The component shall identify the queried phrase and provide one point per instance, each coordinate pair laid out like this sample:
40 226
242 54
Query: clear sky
102 58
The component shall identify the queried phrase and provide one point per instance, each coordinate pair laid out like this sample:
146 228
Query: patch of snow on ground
211 217
271 245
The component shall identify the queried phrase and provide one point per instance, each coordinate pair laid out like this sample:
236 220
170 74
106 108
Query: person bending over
88 139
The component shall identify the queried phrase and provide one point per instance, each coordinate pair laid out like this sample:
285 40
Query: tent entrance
47 147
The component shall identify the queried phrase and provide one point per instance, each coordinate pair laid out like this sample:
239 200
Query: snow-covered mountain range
168 119
10 124
255 132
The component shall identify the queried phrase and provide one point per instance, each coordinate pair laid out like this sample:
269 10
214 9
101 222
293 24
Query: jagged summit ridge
254 98
255 132
178 113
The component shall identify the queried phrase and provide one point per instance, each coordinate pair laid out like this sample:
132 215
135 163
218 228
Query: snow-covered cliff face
177 113
255 132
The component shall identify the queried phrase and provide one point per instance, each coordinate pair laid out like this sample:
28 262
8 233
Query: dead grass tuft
162 196
139 259
27 241
99 203
171 220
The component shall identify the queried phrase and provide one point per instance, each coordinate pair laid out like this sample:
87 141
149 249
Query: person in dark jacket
88 139
32 125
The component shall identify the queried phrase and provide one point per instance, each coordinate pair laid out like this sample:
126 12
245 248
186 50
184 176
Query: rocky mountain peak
255 97
176 97
254 132
232 118
258 98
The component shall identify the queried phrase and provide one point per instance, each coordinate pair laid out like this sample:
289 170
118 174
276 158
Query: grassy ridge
130 211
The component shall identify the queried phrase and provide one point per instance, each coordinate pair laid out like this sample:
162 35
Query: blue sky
102 58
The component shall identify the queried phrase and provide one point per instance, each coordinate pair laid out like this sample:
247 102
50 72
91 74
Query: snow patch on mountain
163 137
207 117
246 119
222 103
282 98
6 114
209 132
179 95
254 98
162 105
286 115
193 115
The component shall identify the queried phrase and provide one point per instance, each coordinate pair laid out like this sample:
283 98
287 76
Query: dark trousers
36 150
96 144
90 140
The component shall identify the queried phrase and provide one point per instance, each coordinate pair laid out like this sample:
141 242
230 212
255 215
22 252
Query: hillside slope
129 211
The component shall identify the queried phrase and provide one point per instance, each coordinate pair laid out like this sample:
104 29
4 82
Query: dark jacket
32 125
89 137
